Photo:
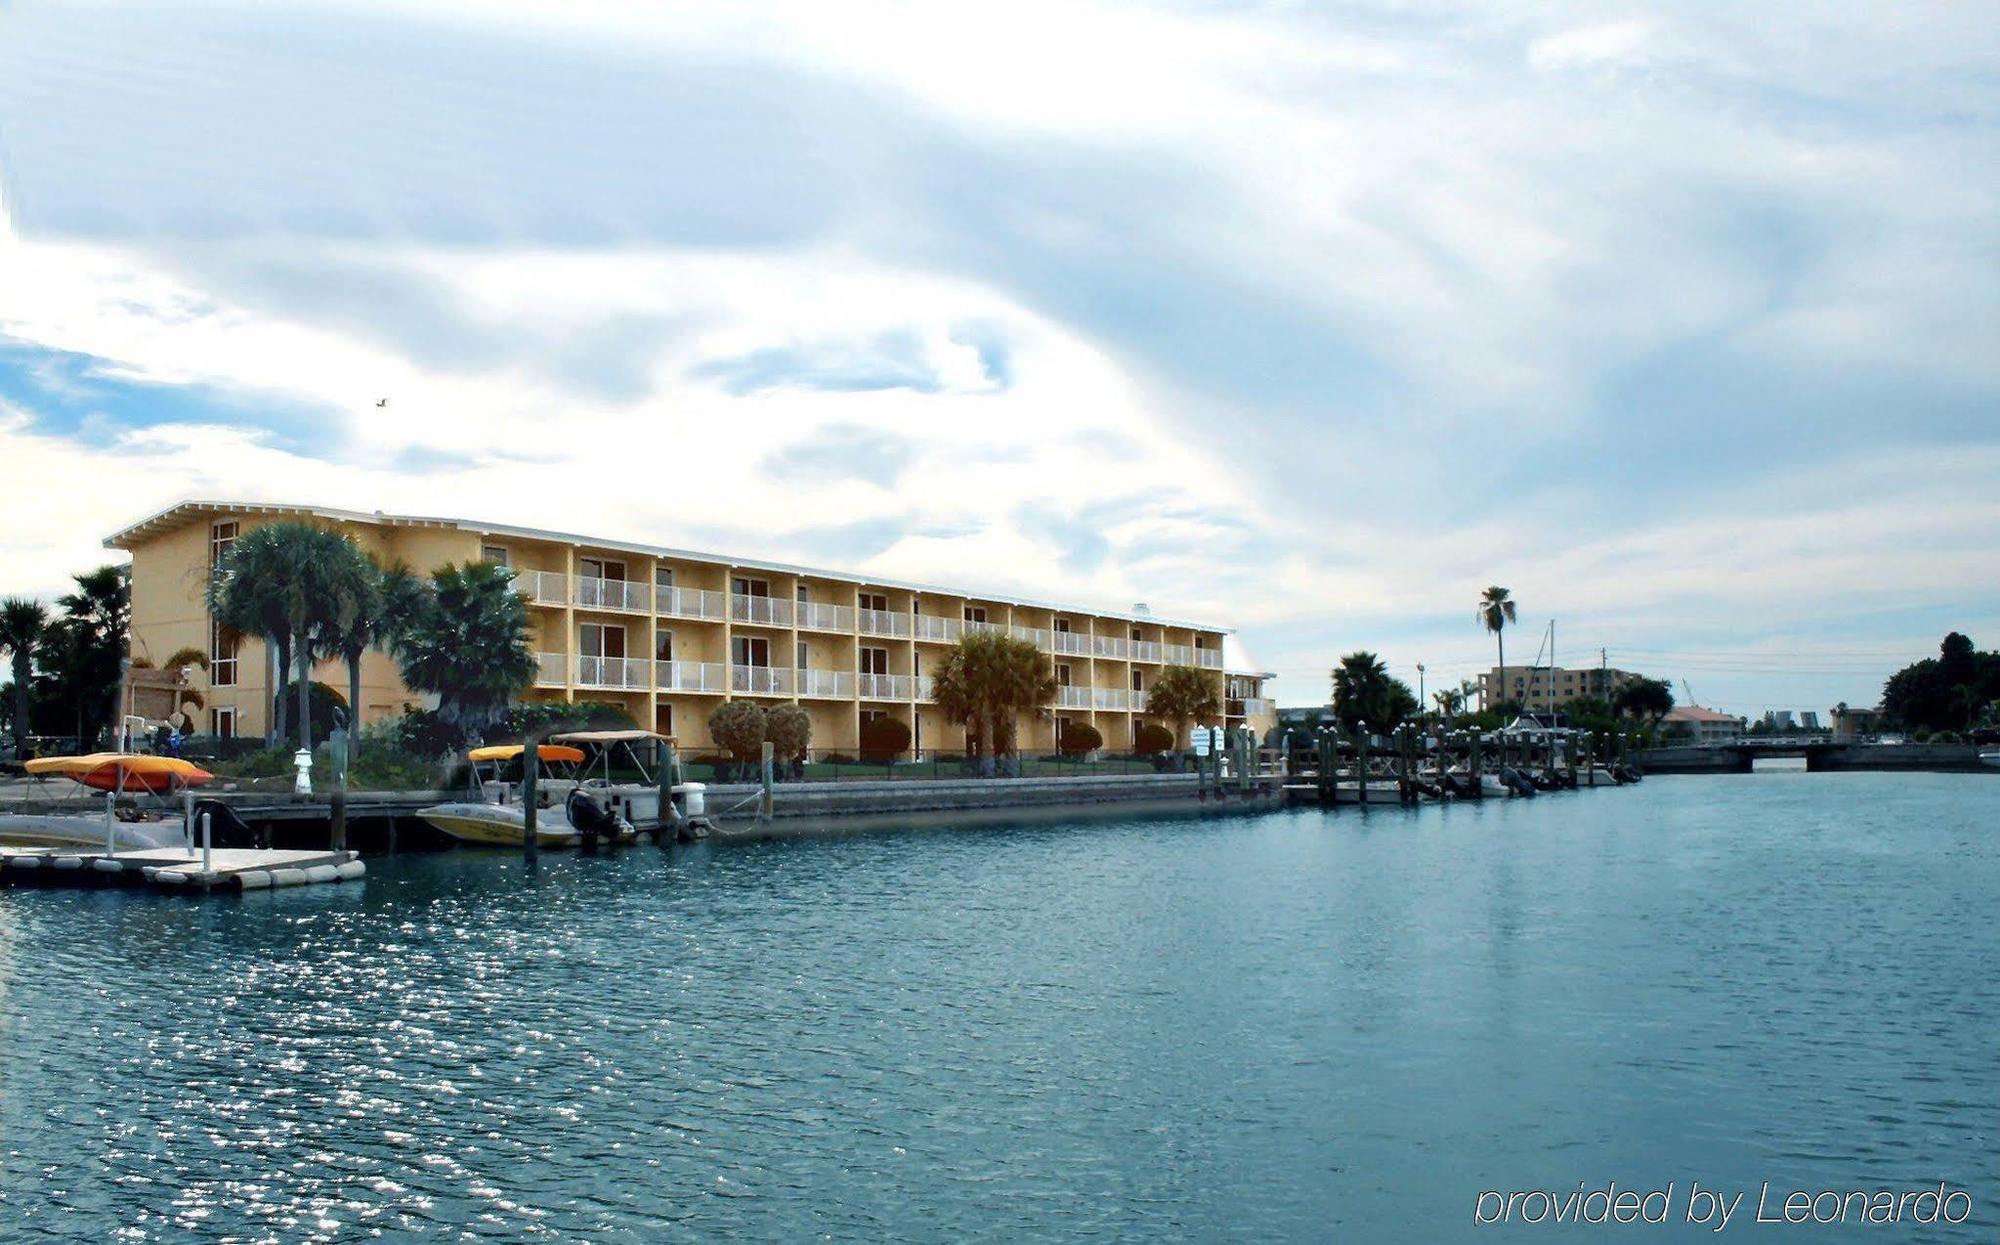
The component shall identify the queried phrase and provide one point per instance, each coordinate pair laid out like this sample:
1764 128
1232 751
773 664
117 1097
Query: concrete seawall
1820 758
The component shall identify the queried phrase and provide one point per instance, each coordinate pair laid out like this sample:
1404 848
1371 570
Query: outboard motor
1517 782
593 820
225 828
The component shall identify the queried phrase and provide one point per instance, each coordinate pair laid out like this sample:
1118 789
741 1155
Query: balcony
884 622
1070 643
544 587
763 611
925 686
690 676
980 628
816 616
622 673
613 594
1113 646
1208 658
551 670
1073 697
1254 706
940 630
1145 650
1139 702
826 684
688 603
1033 635
760 680
886 686
1178 655
1111 698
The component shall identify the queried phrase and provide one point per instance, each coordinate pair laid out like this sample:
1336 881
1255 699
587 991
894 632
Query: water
1282 1026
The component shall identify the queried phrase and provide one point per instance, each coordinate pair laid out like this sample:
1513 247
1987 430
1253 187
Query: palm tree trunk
986 745
281 652
353 705
304 658
22 659
1500 638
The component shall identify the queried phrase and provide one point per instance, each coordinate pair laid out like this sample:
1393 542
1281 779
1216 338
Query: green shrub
884 738
790 730
1079 738
1152 737
737 727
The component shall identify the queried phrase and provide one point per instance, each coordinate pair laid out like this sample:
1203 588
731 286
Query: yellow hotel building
669 634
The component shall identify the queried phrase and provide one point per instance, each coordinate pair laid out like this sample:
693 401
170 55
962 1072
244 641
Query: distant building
1530 685
1852 725
1705 726
1778 719
1808 719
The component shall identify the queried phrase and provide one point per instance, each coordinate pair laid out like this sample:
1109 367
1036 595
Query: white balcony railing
1253 706
619 672
1109 697
826 684
550 670
976 628
929 627
1139 702
1208 658
613 594
688 602
820 616
769 611
760 680
1178 655
544 587
884 622
1073 697
886 686
690 676
925 686
1110 645
1145 650
1037 636
1072 643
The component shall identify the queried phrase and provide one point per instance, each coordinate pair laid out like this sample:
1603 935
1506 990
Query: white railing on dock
768 611
688 602
760 680
826 684
691 676
929 627
822 617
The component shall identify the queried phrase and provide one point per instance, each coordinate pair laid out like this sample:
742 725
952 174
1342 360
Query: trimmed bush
1152 737
1079 738
790 730
883 739
737 726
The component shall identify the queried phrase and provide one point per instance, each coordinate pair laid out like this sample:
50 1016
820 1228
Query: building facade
668 634
1702 726
1531 685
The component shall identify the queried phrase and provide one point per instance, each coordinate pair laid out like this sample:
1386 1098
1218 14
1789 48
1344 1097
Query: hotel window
220 537
663 719
874 661
663 646
1138 680
975 613
600 568
879 602
1062 674
599 640
222 645
1135 634
802 650
663 576
750 587
222 723
1062 625
748 650
495 554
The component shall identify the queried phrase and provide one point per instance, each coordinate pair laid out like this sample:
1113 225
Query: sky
1682 322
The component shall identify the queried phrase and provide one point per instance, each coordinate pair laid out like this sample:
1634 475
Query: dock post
531 758
767 808
336 747
1476 756
1361 746
1244 754
205 840
1329 759
1405 749
111 820
665 813
187 815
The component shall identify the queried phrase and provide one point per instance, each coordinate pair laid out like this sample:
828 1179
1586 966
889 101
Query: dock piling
531 757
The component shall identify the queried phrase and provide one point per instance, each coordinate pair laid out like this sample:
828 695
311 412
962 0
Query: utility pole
1423 709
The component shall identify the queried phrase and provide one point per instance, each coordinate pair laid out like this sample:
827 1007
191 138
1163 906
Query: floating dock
180 868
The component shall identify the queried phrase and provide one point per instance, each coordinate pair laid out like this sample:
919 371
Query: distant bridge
1821 755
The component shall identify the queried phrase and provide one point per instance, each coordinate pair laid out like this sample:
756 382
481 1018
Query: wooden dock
179 868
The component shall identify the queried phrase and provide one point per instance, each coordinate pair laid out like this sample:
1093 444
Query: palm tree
22 623
360 617
1450 702
1363 691
1183 695
986 682
1496 610
96 620
465 639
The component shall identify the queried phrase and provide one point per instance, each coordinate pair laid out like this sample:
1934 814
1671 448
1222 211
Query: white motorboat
126 828
1990 757
500 825
86 831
